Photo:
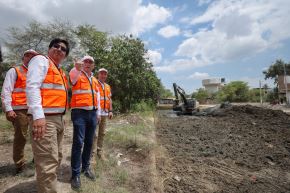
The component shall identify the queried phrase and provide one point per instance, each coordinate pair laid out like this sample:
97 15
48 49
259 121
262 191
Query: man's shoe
76 183
19 170
89 174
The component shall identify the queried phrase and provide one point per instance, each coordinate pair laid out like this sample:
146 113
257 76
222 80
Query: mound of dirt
236 149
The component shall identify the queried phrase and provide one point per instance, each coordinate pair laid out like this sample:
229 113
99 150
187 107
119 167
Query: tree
254 95
37 36
1 59
201 95
276 69
131 76
165 93
236 91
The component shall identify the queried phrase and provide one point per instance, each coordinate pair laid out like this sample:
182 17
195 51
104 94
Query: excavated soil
237 149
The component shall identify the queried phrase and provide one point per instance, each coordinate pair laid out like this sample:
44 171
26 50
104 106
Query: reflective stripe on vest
18 94
85 108
19 90
52 86
54 90
105 96
84 93
20 107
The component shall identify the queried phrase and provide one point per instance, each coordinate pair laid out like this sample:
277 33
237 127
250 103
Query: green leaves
276 69
236 91
130 75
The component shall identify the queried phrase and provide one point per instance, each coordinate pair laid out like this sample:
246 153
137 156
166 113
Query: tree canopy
275 69
236 91
131 75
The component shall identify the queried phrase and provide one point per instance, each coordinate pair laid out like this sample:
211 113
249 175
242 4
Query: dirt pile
236 149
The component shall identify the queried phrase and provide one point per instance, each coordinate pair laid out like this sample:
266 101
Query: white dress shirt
7 89
74 75
37 70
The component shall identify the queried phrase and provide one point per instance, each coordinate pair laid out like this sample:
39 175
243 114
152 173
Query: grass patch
123 132
4 124
6 135
120 176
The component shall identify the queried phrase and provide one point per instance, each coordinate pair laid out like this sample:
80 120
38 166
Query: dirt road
241 149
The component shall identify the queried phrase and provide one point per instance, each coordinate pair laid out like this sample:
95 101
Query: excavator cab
183 105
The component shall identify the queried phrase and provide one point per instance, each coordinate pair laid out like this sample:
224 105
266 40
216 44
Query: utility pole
261 98
285 83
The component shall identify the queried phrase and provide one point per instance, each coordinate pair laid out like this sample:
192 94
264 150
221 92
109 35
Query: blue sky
187 40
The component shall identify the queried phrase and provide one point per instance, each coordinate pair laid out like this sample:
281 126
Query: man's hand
110 115
78 64
39 127
11 115
99 118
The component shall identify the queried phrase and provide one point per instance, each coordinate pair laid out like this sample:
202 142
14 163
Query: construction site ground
243 148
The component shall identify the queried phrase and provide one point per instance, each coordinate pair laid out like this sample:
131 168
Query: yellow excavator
183 105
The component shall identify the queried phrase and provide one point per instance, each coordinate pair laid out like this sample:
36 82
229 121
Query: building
213 85
284 88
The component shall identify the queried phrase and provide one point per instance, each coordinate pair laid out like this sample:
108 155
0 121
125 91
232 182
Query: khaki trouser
20 125
99 136
48 153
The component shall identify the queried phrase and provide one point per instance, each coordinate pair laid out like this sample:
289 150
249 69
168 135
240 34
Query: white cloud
178 65
129 16
198 75
169 31
147 17
238 30
154 56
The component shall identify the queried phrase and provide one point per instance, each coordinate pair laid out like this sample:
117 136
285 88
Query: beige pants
20 125
100 135
48 153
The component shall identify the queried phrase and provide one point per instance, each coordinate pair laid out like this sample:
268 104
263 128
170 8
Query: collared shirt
37 70
74 75
8 87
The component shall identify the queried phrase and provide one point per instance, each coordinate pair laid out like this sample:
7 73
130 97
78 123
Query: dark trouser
20 125
84 127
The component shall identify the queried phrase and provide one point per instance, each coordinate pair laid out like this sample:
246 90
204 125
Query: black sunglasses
62 48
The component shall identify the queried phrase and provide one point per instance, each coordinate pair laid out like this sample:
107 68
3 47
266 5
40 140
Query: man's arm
75 72
37 70
7 89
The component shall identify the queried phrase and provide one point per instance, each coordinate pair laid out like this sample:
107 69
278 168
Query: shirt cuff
38 113
8 108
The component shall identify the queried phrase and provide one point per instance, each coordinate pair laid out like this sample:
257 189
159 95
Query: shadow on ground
7 170
25 187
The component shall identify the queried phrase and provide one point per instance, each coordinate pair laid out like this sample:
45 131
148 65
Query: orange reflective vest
18 94
84 93
105 96
54 90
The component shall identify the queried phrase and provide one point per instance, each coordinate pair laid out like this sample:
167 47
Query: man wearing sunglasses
47 99
85 114
15 106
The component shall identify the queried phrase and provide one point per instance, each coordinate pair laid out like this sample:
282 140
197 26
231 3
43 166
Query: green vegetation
131 75
236 91
127 132
201 95
275 69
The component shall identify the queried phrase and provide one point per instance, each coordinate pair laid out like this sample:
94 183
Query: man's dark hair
59 40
